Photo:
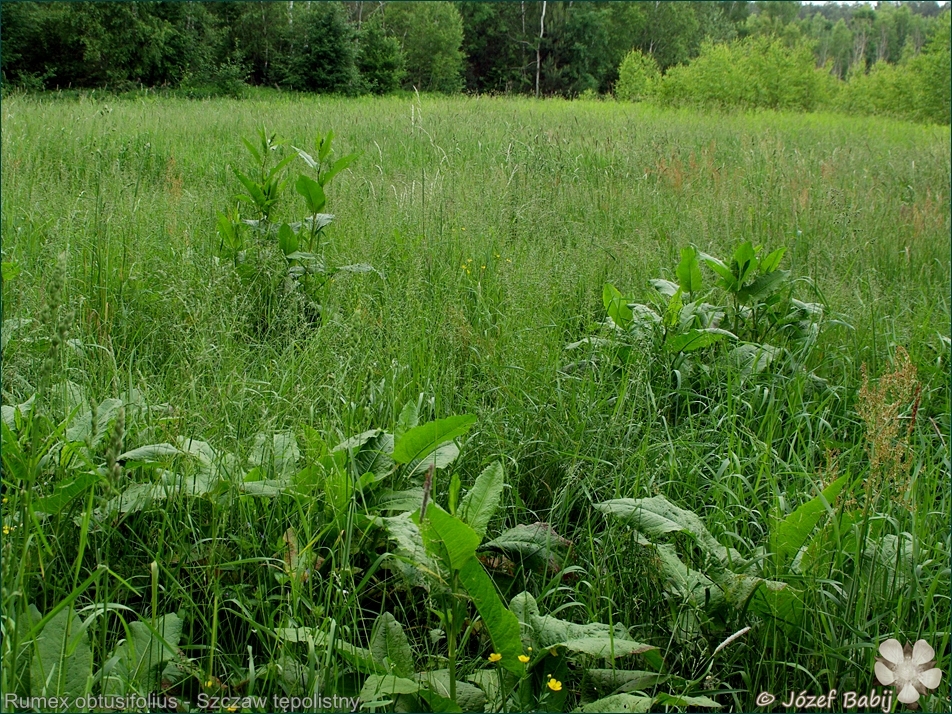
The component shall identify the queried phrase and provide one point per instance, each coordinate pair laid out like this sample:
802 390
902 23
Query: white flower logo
910 669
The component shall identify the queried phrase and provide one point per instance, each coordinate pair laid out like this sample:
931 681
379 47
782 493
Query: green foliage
637 77
768 330
431 34
380 58
322 57
300 243
754 72
256 471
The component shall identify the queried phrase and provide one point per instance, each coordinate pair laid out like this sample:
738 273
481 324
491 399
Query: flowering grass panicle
881 406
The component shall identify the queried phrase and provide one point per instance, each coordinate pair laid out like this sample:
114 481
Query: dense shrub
431 34
380 58
757 72
323 54
637 77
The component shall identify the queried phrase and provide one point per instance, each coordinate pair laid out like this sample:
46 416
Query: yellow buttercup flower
7 530
524 659
554 684
495 657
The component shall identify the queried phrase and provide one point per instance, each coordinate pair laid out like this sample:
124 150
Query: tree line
541 48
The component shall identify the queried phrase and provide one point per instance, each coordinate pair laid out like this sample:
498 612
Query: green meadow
230 471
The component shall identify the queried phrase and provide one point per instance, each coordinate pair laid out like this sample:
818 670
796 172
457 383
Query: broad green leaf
422 440
287 241
481 501
9 269
408 500
143 653
785 606
657 516
639 514
254 190
338 166
689 270
372 456
743 262
62 658
441 457
312 192
280 167
456 537
252 150
409 418
502 625
771 261
790 534
619 703
627 680
616 305
670 700
695 339
355 442
228 232
764 286
592 638
752 358
455 486
278 451
536 543
308 159
727 281
412 559
11 326
469 698
323 145
665 287
377 685
64 493
316 222
81 426
151 453
688 584
672 313
603 646
390 646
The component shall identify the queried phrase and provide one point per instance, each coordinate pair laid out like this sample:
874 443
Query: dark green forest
890 59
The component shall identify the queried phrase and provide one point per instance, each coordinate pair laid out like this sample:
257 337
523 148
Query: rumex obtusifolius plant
282 265
749 323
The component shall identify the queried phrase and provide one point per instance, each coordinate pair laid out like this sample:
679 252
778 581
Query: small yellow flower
232 709
530 649
208 684
554 684
5 499
7 530
508 260
463 228
524 659
482 267
495 657
497 255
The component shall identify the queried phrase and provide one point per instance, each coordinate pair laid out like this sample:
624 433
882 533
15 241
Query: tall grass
494 224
